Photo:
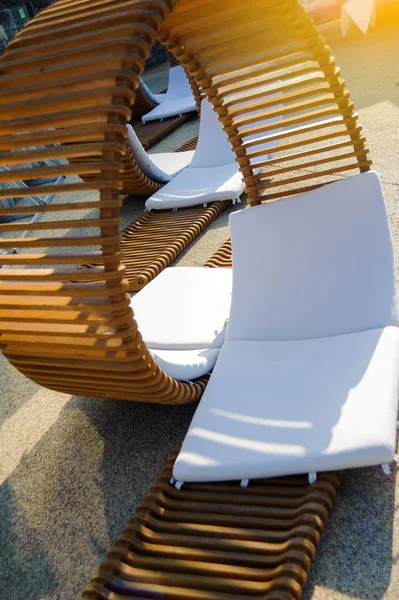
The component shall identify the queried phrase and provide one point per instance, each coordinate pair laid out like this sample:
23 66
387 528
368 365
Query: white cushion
278 408
170 108
158 167
193 187
314 265
184 308
213 173
213 147
178 99
172 163
186 365
158 98
178 84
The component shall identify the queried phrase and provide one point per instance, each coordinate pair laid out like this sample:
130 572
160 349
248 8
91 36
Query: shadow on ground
355 553
138 440
69 498
25 569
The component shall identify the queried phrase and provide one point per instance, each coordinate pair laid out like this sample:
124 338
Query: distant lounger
177 100
212 174
151 132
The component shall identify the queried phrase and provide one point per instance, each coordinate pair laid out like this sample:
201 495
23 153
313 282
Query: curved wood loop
69 79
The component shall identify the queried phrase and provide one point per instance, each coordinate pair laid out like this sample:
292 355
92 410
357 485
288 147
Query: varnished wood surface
218 541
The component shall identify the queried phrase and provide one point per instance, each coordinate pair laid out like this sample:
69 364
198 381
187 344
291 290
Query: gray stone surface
73 469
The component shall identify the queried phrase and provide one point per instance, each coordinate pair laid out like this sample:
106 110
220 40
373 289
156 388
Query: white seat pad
172 163
171 108
184 308
298 280
194 186
158 167
279 408
186 365
158 98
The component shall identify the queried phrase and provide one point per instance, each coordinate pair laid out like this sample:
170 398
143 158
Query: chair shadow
138 440
354 557
13 397
64 505
25 569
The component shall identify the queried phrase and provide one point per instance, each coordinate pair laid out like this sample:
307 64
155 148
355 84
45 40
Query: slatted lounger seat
143 173
151 132
307 378
158 236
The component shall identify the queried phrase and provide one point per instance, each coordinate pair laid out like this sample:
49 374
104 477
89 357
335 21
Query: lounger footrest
218 541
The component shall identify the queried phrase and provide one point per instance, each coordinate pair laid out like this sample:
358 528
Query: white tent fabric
161 167
307 378
362 13
213 173
178 99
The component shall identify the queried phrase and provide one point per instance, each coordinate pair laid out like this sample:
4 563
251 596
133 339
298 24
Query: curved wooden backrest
69 80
